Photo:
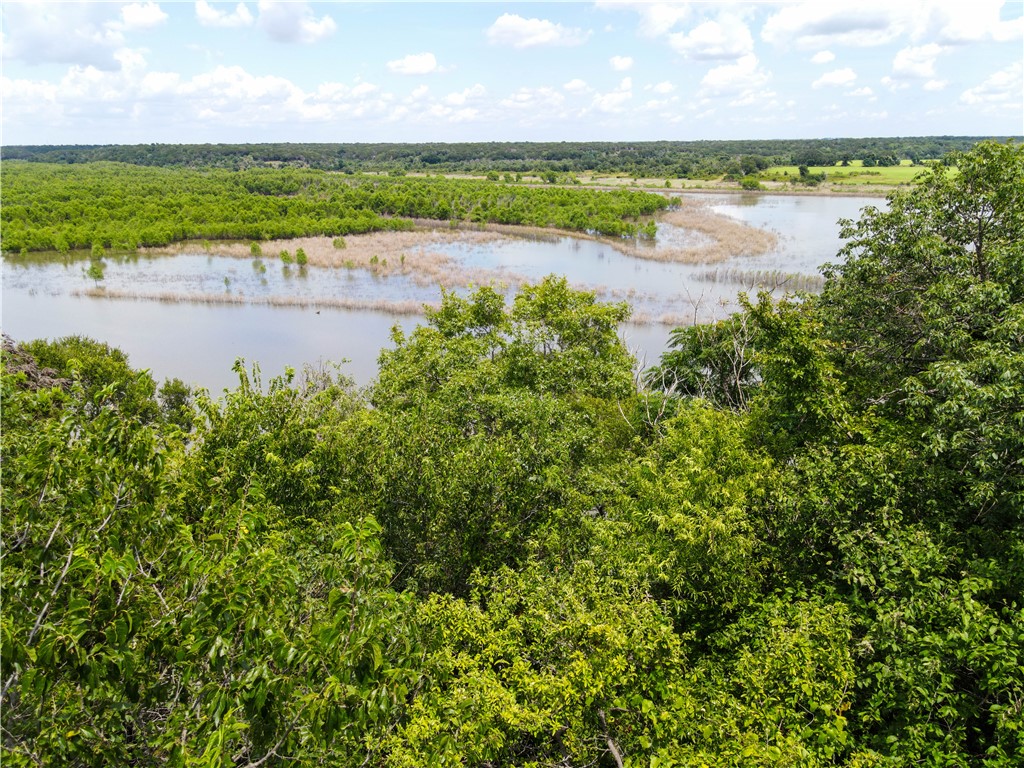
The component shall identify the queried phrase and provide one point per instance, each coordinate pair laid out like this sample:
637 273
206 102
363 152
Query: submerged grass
390 306
409 254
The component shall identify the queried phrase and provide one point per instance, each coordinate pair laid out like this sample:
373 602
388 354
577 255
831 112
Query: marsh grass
725 237
771 279
409 254
419 256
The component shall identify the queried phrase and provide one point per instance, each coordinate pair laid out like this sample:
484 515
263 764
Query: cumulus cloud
823 57
516 32
575 86
956 22
1002 88
935 85
729 79
142 15
813 24
663 87
209 16
293 22
837 77
727 38
621 63
916 62
83 34
655 18
534 100
840 22
416 64
862 92
459 98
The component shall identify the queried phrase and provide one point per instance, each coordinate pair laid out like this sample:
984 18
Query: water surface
198 342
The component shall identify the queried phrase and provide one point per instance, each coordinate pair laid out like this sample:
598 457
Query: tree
711 361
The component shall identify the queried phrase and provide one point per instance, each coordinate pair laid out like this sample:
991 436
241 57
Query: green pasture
854 173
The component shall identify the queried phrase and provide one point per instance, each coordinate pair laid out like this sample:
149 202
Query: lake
198 342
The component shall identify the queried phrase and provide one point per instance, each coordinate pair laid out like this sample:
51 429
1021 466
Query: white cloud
823 57
461 97
614 101
142 16
65 33
862 92
917 62
517 32
1002 88
728 79
752 97
159 83
895 85
655 18
621 63
533 100
288 22
727 38
663 87
935 85
415 64
611 102
814 24
209 16
956 22
575 86
840 77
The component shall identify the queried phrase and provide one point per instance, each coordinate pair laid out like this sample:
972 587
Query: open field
854 173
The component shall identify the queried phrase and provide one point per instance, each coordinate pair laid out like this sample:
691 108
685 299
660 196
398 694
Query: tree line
798 541
658 159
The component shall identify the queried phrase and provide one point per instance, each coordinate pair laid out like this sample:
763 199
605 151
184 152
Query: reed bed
772 279
727 237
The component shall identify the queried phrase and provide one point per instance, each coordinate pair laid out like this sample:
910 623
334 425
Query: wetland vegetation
798 541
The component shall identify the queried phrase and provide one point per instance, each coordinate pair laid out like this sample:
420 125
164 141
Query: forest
798 541
659 159
48 207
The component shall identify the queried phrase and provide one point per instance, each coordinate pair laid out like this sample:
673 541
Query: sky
262 71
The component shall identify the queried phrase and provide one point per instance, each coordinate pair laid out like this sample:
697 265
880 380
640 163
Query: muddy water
199 341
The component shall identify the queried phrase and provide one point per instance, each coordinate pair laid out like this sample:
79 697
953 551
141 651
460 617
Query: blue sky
187 72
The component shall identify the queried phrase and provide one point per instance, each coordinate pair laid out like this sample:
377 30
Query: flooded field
190 314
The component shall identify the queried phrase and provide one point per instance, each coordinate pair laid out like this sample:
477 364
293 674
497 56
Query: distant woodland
662 159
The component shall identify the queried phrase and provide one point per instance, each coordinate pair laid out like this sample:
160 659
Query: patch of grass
855 173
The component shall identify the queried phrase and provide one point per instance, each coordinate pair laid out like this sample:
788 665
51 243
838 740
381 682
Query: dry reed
728 238
764 278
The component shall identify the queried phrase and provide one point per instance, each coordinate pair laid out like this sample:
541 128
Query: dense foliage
805 546
651 158
104 205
